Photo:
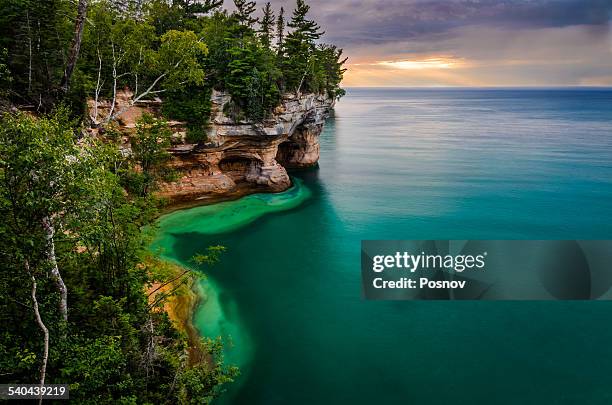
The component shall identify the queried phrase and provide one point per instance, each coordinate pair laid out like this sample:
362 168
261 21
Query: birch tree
172 66
127 52
41 170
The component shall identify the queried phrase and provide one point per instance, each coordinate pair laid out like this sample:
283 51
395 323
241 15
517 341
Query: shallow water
413 164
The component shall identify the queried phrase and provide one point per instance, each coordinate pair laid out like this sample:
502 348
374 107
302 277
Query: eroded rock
244 157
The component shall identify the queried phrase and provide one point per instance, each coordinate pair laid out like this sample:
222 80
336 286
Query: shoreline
180 307
241 191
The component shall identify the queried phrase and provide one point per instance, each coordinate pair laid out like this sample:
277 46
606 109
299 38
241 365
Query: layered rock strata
243 157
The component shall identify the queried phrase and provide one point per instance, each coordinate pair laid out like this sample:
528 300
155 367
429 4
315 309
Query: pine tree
280 31
266 25
299 47
330 69
304 30
193 7
244 12
210 5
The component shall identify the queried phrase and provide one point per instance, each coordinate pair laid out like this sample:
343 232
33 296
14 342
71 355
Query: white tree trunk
112 107
55 273
98 89
41 325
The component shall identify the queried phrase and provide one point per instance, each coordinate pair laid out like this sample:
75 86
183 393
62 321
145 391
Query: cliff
245 157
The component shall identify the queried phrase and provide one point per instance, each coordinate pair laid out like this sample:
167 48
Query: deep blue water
421 164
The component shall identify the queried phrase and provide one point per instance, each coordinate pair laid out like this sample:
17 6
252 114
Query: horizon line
486 87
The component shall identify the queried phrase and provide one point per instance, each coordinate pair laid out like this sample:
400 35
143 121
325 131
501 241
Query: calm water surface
413 164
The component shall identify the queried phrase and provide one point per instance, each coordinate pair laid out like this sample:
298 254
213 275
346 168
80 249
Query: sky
469 42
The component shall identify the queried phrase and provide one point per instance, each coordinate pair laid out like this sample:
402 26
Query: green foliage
245 63
96 367
5 73
36 35
115 348
244 12
150 154
299 49
205 382
42 168
179 50
266 24
280 33
125 52
118 346
177 58
193 7
192 105
252 79
328 71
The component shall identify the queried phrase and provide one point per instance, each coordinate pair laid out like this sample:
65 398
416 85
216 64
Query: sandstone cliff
244 157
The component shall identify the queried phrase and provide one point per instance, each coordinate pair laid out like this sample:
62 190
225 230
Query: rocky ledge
245 157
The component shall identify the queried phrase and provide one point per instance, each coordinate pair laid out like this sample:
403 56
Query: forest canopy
179 50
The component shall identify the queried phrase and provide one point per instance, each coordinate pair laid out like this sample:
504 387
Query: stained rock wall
245 157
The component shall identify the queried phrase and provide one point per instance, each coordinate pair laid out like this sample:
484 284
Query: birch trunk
41 325
98 89
55 273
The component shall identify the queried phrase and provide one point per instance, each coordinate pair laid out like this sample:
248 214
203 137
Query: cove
414 164
216 314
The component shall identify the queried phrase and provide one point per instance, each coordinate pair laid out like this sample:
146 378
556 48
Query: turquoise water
414 164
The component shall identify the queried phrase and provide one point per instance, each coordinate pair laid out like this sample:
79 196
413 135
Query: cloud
360 21
498 42
483 56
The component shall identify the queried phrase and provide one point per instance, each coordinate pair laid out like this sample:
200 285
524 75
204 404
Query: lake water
413 164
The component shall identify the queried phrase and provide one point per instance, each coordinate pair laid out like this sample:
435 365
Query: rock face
244 157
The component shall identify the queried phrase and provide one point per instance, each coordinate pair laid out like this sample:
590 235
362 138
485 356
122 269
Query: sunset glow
419 64
430 43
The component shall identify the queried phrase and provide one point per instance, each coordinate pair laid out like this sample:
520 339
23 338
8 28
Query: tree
5 73
299 47
252 80
304 29
202 383
75 47
171 67
149 148
36 36
41 164
328 71
266 25
41 172
280 32
117 52
244 12
194 7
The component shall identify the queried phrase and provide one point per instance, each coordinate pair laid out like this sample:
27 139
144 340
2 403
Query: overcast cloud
469 42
